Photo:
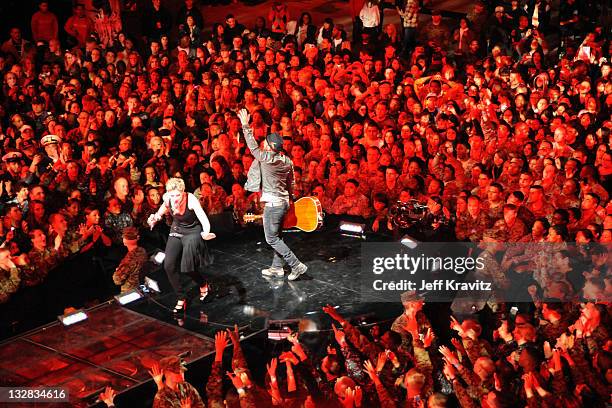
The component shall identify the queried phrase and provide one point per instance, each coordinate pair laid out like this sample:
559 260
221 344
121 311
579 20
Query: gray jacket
270 172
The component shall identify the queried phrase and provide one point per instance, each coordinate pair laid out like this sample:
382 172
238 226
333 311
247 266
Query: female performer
189 228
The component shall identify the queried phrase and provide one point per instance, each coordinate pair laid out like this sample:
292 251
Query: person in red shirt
44 23
79 25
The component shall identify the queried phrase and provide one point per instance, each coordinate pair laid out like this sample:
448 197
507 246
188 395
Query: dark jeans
273 223
408 41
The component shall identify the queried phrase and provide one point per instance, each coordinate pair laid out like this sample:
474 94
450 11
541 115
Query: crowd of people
485 124
499 122
556 356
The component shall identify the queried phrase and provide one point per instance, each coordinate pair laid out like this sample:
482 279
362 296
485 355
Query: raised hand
157 375
244 377
108 396
448 355
236 380
562 342
528 382
186 402
244 117
220 342
349 398
380 363
458 345
547 350
297 348
358 396
293 338
234 335
393 358
333 313
429 337
371 370
272 369
454 325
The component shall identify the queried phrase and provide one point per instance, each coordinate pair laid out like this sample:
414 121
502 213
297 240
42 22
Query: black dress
186 242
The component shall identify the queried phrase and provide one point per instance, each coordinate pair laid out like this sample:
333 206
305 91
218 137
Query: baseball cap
275 141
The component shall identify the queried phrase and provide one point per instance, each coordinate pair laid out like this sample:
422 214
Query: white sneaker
273 272
298 271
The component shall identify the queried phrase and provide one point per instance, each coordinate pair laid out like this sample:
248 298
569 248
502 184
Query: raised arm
252 144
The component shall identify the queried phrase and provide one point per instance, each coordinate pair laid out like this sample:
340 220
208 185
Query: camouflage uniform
41 262
401 321
510 183
472 228
511 233
546 211
356 205
494 273
563 201
364 184
168 398
494 213
391 194
127 273
214 386
72 242
9 283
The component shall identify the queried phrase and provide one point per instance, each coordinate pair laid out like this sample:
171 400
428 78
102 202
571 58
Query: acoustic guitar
305 214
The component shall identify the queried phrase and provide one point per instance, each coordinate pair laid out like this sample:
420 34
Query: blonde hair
175 183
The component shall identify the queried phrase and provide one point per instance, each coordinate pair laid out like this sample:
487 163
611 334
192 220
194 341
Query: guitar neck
252 217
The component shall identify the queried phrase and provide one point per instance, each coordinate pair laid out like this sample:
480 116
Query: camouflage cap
173 364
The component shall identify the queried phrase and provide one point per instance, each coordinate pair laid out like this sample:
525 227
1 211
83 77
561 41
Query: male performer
272 172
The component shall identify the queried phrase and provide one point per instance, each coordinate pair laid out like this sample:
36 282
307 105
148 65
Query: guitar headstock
250 217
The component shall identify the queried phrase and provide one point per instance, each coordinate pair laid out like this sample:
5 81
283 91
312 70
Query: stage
116 344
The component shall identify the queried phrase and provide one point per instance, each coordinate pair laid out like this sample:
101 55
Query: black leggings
175 265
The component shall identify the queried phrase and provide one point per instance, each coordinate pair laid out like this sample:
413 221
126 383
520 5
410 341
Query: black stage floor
333 263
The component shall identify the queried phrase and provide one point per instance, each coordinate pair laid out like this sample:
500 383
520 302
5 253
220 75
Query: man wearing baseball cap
129 270
275 181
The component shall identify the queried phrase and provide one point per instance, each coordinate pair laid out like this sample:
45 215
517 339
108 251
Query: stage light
352 229
158 257
128 297
408 242
152 284
72 318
